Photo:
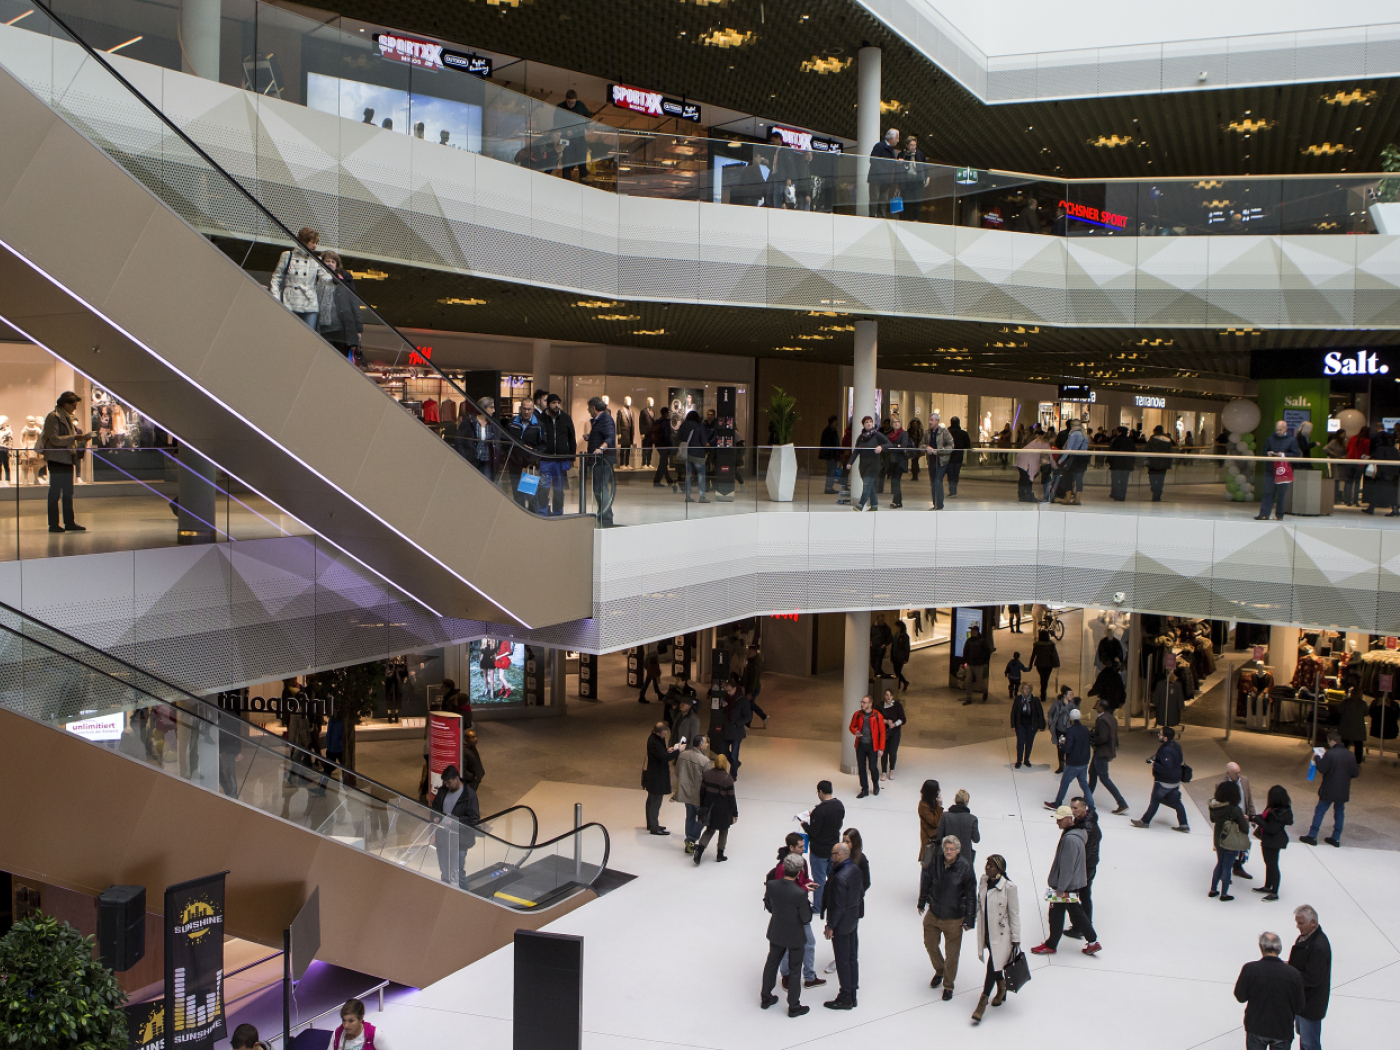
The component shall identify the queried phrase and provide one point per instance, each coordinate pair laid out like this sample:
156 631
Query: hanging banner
444 746
145 1025
194 963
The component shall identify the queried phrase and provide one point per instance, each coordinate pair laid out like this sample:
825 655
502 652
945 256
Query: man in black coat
657 779
962 441
884 173
454 800
823 828
977 658
1272 992
787 933
1120 467
559 444
1338 768
738 711
842 902
1312 958
948 902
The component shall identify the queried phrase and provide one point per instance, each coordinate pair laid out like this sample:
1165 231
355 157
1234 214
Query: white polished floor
673 958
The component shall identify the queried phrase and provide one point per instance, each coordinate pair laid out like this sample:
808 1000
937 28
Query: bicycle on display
1054 625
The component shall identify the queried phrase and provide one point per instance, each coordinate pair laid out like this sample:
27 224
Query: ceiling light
1248 126
617 317
650 331
816 337
824 64
727 38
369 275
1327 149
1111 141
892 106
459 302
593 304
1346 98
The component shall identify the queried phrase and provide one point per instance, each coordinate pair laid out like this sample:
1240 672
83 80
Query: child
1014 670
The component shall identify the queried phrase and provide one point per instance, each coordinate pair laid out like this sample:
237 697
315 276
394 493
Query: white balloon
1240 415
1231 469
1351 421
1242 447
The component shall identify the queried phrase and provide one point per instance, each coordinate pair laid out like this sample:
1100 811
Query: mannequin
625 429
29 459
7 437
645 422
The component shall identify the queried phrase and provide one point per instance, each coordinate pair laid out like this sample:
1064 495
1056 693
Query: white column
1131 676
867 120
856 682
199 37
1283 653
540 347
863 391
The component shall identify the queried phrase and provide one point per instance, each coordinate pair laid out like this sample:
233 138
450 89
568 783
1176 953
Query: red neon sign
420 355
1098 217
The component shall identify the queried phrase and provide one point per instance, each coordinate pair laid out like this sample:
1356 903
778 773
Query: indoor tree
782 414
53 994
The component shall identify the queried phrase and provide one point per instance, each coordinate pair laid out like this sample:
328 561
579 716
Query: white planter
1387 218
781 477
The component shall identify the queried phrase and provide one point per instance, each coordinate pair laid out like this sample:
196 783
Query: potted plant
781 477
53 994
1385 212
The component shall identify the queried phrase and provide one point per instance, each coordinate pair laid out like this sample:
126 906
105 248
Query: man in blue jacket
842 901
1167 766
1078 746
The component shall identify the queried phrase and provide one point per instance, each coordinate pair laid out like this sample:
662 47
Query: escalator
105 262
173 787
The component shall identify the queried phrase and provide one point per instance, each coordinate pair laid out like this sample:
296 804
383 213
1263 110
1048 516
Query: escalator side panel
120 821
190 340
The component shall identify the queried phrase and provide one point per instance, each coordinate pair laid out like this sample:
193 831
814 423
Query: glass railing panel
1333 205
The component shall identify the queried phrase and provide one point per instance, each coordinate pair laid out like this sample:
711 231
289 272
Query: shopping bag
1018 971
529 484
896 205
1283 472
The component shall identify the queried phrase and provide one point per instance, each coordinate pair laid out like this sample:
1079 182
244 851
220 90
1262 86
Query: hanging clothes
430 411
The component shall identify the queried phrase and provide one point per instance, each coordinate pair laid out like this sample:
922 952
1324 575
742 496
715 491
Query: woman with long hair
1271 830
719 807
930 813
1225 809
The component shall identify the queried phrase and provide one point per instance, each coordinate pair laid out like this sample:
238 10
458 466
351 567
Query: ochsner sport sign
423 54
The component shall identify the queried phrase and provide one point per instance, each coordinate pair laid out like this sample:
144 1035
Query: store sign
1077 392
99 730
1149 401
966 177
1359 363
420 355
805 140
1094 216
476 65
1363 364
444 745
194 963
273 705
424 54
652 103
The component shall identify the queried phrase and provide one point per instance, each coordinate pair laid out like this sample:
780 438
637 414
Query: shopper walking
1337 767
1229 833
1282 446
1381 490
1312 957
1168 771
977 662
869 449
651 674
948 904
693 762
790 922
938 446
1077 751
656 780
1158 464
961 443
930 816
298 277
719 808
892 712
338 310
1027 719
737 714
1068 877
868 727
1271 828
1234 774
998 930
1272 993
751 681
960 822
558 449
455 802
1120 465
1058 722
1358 448
900 650
1105 742
1045 657
881 639
62 443
691 437
1351 726
831 454
1014 670
354 1032
897 462
823 829
661 441
842 903
1087 818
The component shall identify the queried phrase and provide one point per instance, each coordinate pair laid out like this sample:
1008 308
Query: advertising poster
497 671
145 1025
444 746
683 400
194 962
456 124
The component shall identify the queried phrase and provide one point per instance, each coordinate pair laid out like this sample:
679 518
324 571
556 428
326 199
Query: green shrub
782 412
53 994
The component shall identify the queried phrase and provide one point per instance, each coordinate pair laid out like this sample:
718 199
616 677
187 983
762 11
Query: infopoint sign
1095 216
652 103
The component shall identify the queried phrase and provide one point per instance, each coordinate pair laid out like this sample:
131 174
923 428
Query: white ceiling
1016 27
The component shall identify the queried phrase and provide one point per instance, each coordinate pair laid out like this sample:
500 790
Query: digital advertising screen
963 620
497 671
456 124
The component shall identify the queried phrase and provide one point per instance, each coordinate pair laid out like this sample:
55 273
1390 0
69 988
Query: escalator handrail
403 802
503 434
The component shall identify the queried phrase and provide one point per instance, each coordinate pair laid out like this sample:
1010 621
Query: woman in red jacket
1358 447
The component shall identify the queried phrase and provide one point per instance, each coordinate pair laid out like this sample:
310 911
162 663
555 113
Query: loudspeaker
121 926
548 991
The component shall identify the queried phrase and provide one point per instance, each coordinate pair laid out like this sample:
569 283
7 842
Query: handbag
1186 773
1370 470
1234 838
1018 971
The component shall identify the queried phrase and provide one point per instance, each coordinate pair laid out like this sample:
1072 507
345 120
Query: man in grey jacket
938 443
787 933
1068 877
692 764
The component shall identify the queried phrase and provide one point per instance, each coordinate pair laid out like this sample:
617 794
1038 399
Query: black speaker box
121 926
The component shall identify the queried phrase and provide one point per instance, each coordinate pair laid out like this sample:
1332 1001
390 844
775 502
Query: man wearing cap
61 444
454 800
1068 877
1077 745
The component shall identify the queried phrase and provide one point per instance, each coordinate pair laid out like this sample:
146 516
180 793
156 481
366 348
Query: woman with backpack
1231 836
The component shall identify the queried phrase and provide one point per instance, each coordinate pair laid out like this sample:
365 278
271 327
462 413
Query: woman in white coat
998 930
299 277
